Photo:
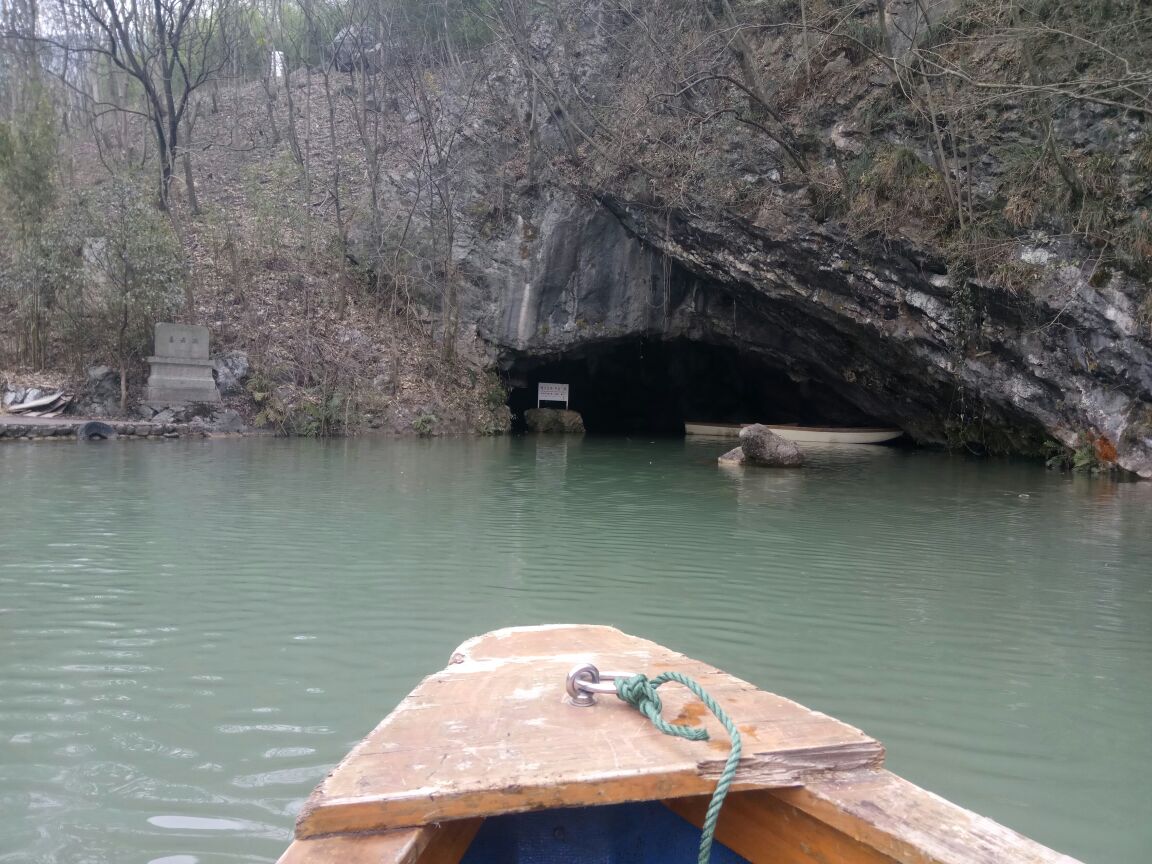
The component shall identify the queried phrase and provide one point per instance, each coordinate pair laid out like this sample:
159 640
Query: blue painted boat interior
644 833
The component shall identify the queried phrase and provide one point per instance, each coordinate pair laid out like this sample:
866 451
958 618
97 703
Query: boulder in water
762 446
735 456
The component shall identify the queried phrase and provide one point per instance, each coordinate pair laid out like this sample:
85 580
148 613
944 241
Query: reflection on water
192 634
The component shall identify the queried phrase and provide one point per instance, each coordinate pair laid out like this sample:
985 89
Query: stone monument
181 370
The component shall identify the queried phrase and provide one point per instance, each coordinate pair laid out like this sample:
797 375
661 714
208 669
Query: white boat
837 435
801 434
713 430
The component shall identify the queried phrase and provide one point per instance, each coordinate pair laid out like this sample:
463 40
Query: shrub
425 425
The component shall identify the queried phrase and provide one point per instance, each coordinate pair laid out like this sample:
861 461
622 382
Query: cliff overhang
878 329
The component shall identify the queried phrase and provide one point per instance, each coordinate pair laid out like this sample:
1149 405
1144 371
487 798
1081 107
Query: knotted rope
640 691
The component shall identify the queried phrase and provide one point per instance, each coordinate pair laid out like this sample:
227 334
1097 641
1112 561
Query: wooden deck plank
912 825
431 844
392 847
766 830
450 841
494 733
862 817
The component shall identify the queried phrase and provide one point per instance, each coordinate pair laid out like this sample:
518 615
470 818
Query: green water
192 633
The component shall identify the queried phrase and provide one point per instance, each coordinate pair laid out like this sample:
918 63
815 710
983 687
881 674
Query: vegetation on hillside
308 177
236 140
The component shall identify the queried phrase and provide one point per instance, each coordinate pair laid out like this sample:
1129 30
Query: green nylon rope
640 691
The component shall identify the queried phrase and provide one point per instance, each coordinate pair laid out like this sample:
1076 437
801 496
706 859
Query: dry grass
268 276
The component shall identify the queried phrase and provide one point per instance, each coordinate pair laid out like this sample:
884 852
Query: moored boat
801 434
519 751
713 430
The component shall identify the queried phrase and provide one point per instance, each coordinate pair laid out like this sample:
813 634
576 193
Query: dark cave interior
649 386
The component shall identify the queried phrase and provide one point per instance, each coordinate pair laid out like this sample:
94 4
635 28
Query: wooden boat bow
495 733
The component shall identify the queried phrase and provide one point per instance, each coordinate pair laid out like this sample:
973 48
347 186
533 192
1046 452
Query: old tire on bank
94 430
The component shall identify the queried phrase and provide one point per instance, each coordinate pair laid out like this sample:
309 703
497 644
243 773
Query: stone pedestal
181 370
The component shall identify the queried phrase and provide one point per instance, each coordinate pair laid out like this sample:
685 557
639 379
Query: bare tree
186 154
170 48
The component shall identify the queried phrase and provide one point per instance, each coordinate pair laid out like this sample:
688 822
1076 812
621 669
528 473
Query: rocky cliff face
824 205
883 326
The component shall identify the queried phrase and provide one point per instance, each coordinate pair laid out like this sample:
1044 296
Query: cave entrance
651 387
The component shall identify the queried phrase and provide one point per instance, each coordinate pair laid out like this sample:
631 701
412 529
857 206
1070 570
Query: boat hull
800 434
819 435
713 430
488 761
641 833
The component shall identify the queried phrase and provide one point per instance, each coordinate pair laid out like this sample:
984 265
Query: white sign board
551 393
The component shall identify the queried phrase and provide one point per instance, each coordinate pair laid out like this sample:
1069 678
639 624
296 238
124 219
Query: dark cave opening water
650 386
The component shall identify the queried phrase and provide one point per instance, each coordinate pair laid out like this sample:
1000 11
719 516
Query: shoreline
16 428
40 429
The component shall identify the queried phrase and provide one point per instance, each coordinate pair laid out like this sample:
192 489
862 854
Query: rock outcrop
554 421
230 369
882 327
875 309
100 396
735 456
198 416
759 445
762 446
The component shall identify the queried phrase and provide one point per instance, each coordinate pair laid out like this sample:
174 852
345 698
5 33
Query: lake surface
192 633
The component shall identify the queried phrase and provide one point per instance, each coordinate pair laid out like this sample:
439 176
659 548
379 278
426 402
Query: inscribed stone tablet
184 341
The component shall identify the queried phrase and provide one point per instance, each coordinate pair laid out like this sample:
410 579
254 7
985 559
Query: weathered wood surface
913 825
402 847
494 733
862 817
431 844
766 830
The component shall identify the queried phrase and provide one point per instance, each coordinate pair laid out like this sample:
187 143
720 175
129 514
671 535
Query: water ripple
190 636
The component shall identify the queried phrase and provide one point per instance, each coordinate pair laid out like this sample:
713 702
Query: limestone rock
103 381
554 420
762 446
883 325
353 48
231 370
101 394
847 139
229 421
735 456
